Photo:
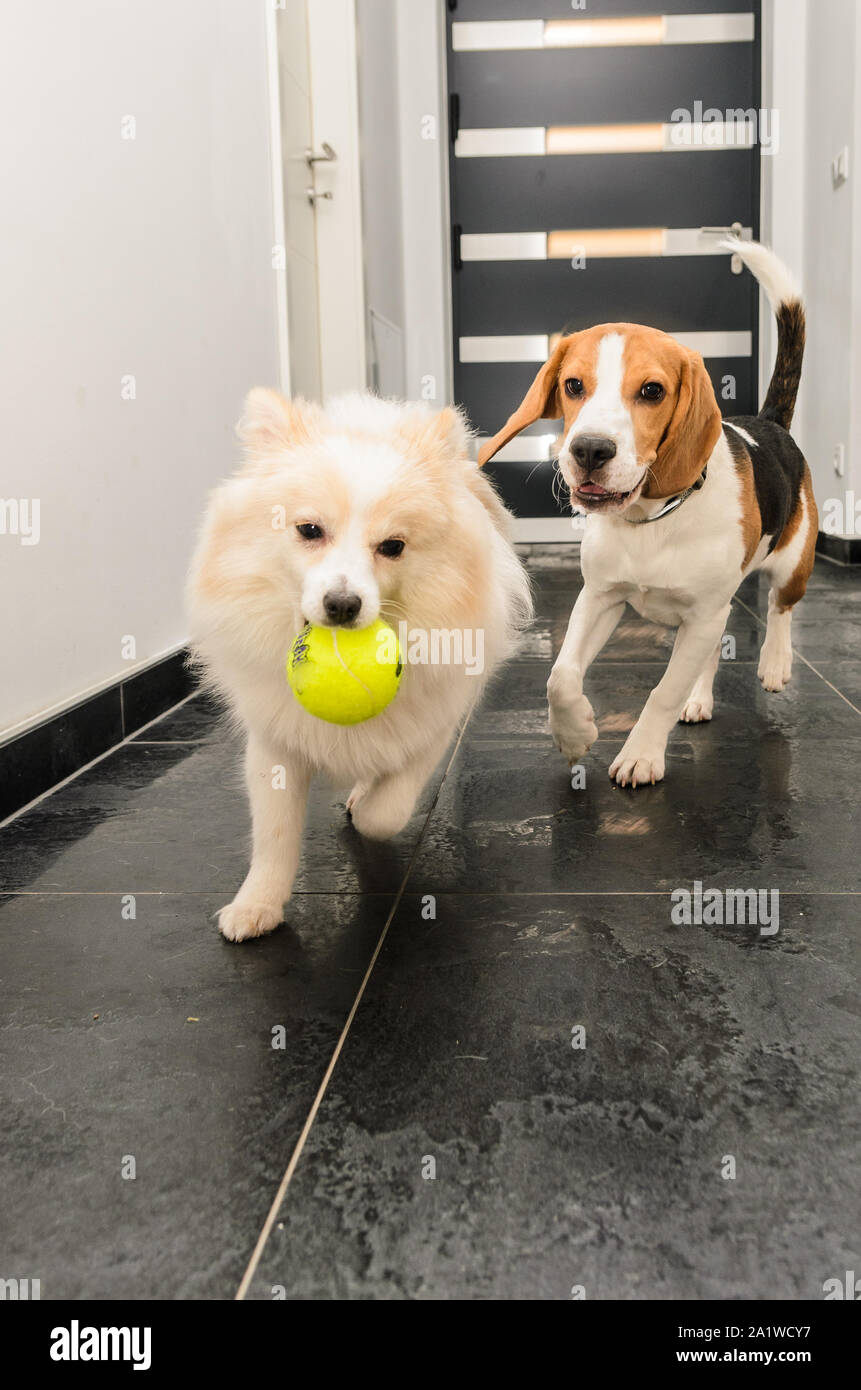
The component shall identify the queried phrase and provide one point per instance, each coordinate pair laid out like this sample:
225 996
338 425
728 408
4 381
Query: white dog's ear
271 423
441 434
541 402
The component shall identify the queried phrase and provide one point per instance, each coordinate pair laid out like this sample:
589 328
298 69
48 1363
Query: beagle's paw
241 920
638 765
572 724
774 669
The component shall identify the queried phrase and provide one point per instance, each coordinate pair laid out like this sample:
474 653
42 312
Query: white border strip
500 141
541 529
718 344
505 142
709 28
535 347
504 246
506 35
527 448
496 35
515 347
533 246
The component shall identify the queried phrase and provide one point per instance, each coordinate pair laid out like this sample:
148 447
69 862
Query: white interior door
295 258
317 197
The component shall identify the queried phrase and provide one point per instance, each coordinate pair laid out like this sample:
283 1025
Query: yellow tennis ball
345 675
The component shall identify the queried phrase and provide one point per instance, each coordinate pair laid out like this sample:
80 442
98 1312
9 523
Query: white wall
854 288
832 248
149 257
782 225
812 78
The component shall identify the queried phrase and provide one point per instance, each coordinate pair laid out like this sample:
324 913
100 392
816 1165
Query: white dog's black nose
341 608
592 451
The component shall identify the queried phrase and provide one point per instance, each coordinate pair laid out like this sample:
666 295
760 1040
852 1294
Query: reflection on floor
548 1085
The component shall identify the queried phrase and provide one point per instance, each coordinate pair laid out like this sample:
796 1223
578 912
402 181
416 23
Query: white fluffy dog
370 509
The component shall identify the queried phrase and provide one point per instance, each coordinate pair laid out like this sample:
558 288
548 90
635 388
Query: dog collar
671 505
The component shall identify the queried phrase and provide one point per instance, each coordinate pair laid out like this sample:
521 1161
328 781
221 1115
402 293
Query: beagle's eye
652 391
574 386
391 549
310 531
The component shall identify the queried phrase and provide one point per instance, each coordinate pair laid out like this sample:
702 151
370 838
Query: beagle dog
682 505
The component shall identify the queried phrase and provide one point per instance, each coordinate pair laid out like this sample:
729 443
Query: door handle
736 229
326 156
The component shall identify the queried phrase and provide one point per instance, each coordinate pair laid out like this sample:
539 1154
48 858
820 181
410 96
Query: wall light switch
840 167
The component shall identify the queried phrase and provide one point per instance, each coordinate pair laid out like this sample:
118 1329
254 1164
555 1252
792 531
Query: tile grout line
808 664
387 893
123 743
281 1193
169 742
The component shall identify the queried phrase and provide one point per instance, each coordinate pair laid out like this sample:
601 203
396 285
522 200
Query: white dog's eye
652 391
391 548
310 531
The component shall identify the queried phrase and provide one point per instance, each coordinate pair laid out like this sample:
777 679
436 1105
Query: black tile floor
451 1143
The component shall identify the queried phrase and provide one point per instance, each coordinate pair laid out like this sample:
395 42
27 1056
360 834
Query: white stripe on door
527 448
495 36
592 242
514 140
503 246
513 347
737 343
535 347
504 142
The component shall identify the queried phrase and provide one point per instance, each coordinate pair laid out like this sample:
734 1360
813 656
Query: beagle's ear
271 423
541 402
692 433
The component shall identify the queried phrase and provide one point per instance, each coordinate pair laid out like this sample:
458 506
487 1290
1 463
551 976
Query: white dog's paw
638 765
774 669
383 811
572 724
698 709
241 920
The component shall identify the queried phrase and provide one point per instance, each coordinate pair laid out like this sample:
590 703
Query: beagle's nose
592 451
341 608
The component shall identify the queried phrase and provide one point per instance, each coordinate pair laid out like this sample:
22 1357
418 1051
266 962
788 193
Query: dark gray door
590 148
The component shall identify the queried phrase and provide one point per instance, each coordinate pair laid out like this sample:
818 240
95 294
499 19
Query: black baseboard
843 550
62 744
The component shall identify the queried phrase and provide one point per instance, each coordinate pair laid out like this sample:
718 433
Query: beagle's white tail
784 297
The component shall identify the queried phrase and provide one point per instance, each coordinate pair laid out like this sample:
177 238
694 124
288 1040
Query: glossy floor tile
155 1043
466 1149
463 1148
